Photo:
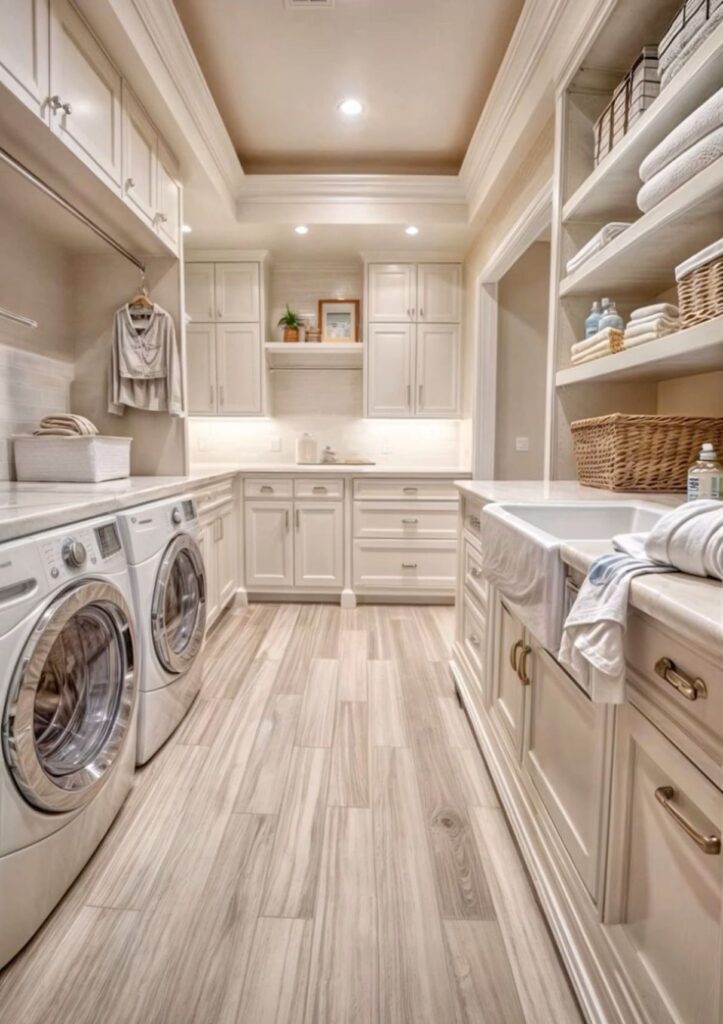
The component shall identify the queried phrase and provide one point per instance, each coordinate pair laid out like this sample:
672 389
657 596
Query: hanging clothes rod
17 318
49 191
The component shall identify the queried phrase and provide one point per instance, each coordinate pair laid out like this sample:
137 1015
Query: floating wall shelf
313 355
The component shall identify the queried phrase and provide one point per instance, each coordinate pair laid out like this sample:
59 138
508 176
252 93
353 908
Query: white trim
528 227
351 188
226 255
411 256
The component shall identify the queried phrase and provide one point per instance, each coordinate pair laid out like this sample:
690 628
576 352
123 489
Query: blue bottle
592 324
611 318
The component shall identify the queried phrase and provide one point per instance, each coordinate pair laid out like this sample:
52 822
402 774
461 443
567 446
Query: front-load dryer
68 689
169 589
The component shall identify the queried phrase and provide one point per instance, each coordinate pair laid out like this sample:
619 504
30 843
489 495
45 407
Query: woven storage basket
700 294
641 453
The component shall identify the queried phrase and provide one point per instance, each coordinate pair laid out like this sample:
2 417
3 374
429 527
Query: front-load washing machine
169 588
68 687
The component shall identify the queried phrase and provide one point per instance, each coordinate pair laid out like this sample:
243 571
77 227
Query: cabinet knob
161 218
130 183
55 103
67 109
474 640
475 573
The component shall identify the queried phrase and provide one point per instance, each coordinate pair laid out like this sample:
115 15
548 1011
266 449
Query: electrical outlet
522 444
274 444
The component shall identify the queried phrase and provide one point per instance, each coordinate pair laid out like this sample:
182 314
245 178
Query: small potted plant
291 322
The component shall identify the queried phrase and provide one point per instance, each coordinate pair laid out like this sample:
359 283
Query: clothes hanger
141 297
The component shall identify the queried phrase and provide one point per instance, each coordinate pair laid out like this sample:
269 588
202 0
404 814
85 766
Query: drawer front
472 510
422 521
318 489
680 689
268 487
405 490
473 639
475 583
211 498
389 565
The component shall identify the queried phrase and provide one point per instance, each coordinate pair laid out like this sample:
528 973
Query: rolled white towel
705 119
690 538
598 241
659 309
694 160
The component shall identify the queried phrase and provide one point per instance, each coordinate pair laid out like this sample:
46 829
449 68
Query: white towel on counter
704 120
687 539
681 170
603 237
659 309
699 259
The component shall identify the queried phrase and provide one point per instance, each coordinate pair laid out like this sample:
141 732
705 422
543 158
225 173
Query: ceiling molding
412 256
352 188
317 266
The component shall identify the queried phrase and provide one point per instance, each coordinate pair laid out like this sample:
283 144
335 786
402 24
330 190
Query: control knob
74 553
176 516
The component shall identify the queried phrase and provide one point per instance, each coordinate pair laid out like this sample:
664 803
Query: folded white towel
608 335
704 120
598 241
593 353
689 40
641 339
690 538
66 424
660 309
699 259
694 160
660 327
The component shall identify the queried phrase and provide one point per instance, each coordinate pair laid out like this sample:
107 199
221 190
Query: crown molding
320 266
352 188
227 255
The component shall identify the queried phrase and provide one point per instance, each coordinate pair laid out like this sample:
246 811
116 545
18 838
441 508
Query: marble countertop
536 491
345 469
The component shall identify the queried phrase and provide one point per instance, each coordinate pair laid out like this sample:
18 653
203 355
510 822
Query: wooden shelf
610 191
314 355
643 258
698 349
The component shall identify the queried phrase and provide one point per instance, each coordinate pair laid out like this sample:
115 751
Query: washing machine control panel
74 553
79 550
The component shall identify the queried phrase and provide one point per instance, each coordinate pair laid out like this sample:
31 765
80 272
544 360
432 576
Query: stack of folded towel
696 143
65 425
597 242
693 24
688 539
651 322
601 344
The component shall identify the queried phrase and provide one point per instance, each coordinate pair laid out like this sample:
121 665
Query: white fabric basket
73 460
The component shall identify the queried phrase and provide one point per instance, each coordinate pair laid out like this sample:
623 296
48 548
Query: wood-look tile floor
319 842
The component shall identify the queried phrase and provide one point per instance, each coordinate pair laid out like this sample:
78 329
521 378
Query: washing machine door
178 611
70 703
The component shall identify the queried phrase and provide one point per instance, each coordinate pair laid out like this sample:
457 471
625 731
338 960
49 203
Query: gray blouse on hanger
145 365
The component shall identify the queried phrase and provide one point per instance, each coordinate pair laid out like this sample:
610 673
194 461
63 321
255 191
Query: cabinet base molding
348 599
403 597
597 975
240 598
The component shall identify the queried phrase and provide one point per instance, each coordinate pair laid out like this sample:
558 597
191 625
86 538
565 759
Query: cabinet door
664 899
437 372
88 86
226 560
24 51
319 544
238 362
168 198
389 379
567 755
269 544
508 691
207 544
439 293
237 292
200 303
140 157
392 292
201 369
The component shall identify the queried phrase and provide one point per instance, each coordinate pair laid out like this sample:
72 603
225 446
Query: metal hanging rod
33 178
17 318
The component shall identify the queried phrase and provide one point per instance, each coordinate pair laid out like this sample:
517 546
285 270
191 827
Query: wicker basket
641 453
700 294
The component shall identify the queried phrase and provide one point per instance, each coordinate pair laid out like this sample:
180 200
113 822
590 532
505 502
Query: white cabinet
439 293
510 679
85 90
201 369
226 555
168 198
140 158
200 301
238 368
437 370
237 292
269 544
392 289
206 542
319 544
24 51
390 359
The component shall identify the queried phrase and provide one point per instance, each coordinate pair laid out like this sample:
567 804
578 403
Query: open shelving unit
314 355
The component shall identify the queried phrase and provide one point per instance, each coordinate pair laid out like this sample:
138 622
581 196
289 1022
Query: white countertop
343 469
535 491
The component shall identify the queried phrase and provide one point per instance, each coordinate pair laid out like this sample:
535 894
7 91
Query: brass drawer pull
474 640
409 565
410 522
522 666
708 844
513 654
689 688
266 489
410 490
319 489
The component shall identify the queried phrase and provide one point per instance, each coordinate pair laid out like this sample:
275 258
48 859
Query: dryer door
178 612
70 702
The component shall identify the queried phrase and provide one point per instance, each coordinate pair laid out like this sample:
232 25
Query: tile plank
277 976
387 723
316 720
349 782
265 778
483 982
354 644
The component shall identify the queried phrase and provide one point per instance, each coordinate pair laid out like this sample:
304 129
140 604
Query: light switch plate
274 444
522 444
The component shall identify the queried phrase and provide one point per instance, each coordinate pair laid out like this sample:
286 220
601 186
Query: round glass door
70 702
179 605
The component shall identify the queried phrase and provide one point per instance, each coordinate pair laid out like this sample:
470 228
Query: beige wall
523 297
700 395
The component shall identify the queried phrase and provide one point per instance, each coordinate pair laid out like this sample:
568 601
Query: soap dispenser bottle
592 324
705 476
611 317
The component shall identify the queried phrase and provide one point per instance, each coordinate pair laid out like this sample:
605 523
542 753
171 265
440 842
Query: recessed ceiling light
301 229
411 230
187 229
351 107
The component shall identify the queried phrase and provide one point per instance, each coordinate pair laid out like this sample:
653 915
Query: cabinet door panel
508 692
439 293
269 544
238 359
207 544
237 292
24 51
437 374
319 544
390 355
140 155
226 559
82 76
392 292
200 305
201 369
168 192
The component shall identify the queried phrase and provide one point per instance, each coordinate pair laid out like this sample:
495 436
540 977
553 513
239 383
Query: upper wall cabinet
200 296
168 197
237 292
439 293
140 158
414 293
392 292
24 56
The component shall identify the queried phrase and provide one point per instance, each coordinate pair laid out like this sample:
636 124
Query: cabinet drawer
680 689
211 497
422 521
471 511
405 490
475 583
318 488
474 632
268 487
417 565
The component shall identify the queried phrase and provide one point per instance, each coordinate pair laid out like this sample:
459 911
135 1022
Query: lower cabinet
319 544
509 678
269 544
218 540
294 544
